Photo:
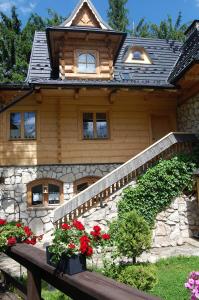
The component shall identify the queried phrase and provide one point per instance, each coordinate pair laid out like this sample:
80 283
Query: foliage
192 285
140 276
15 232
118 15
131 235
158 187
16 42
167 29
73 239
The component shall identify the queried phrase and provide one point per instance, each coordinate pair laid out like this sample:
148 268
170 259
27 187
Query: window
95 126
83 183
45 192
137 55
22 125
86 63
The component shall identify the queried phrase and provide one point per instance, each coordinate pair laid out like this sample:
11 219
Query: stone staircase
99 200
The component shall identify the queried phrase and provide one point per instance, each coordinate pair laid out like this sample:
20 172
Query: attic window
86 63
137 55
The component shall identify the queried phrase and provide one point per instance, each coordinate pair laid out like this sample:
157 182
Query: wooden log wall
59 126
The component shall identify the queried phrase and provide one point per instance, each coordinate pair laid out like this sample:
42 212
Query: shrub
131 235
142 277
156 189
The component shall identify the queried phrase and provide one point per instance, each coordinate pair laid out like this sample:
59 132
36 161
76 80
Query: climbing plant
156 189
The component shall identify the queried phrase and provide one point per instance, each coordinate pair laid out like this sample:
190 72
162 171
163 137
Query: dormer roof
84 11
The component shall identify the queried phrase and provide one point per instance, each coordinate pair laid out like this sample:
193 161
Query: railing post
34 285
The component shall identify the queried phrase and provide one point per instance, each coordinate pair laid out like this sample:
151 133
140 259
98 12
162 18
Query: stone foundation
15 186
176 223
188 116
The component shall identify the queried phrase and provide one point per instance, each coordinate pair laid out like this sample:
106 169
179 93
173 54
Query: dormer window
137 55
86 63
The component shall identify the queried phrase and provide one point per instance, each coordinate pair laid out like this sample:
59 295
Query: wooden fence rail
82 286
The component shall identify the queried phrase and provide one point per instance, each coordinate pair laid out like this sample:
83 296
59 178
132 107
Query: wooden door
160 126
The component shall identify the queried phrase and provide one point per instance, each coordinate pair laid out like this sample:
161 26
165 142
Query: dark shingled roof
163 55
189 54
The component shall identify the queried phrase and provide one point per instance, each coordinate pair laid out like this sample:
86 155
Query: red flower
71 246
89 251
95 233
18 225
78 225
11 241
106 236
27 241
97 228
65 226
84 238
27 231
2 222
33 241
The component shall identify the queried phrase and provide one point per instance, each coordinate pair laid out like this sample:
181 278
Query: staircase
104 189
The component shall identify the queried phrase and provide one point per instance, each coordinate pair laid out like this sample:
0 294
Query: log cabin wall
59 126
70 49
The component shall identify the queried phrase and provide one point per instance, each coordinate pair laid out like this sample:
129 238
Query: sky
152 10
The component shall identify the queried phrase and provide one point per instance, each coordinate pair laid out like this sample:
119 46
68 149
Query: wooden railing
103 189
86 285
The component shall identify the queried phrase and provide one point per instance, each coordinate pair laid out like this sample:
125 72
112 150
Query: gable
85 14
85 17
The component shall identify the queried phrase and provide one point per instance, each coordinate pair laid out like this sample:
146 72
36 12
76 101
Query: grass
172 275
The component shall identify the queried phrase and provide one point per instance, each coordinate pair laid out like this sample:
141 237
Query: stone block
37 226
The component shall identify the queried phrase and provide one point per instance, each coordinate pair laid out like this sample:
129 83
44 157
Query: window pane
37 195
82 187
102 125
137 55
88 128
90 59
82 68
91 68
82 58
15 125
29 125
53 194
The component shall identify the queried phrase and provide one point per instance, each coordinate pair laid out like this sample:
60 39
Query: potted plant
72 245
12 233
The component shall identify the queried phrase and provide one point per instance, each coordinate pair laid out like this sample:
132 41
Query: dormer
83 46
137 55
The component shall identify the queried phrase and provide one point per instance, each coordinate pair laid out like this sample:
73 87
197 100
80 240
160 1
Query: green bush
131 235
156 189
142 277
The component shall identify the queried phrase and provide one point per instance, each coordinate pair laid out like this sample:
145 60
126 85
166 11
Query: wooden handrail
100 191
86 285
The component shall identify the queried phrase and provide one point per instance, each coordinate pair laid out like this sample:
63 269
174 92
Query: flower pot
68 265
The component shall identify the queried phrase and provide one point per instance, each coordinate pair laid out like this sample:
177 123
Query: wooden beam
188 93
76 94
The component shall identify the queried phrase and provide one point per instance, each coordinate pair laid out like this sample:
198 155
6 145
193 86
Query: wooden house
93 99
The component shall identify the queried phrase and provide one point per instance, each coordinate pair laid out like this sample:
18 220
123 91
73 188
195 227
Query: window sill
50 207
21 140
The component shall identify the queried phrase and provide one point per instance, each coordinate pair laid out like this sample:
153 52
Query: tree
169 29
118 15
142 29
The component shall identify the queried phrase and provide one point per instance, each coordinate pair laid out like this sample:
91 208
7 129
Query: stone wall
15 186
178 222
188 116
